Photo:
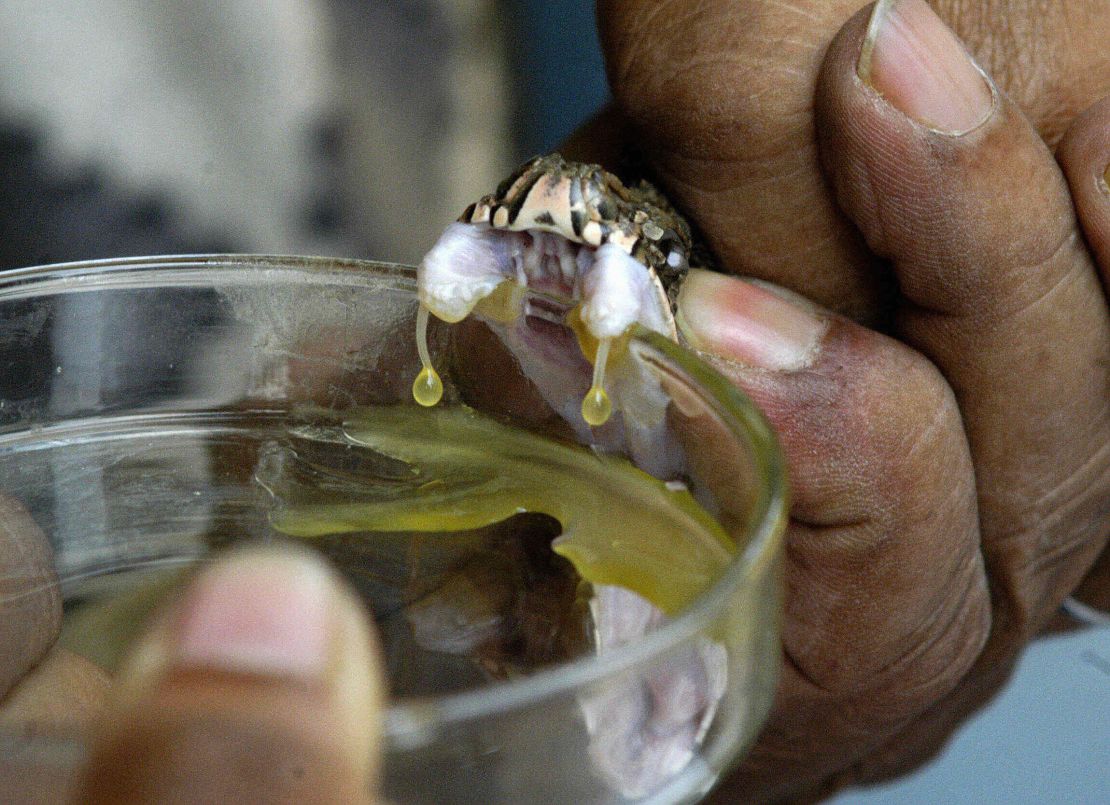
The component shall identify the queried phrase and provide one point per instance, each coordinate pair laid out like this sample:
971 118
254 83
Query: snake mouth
503 275
542 307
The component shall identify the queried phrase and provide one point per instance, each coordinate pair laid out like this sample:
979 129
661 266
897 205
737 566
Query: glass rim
413 720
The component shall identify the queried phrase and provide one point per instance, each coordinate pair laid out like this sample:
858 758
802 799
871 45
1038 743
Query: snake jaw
464 266
571 231
618 254
617 291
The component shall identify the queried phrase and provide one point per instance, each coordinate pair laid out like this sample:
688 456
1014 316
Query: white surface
1045 739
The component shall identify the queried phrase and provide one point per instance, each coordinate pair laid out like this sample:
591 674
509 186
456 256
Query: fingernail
1106 180
256 613
918 66
748 323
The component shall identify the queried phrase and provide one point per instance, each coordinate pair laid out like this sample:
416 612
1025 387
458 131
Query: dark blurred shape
51 216
360 130
325 215
561 77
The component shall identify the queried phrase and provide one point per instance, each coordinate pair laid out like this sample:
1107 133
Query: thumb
886 603
261 683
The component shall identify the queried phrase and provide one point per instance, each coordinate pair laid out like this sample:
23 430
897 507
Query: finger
63 694
66 691
1084 155
1094 592
720 96
1050 58
604 139
30 604
886 601
261 683
946 178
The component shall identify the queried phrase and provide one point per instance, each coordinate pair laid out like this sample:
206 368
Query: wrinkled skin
171 729
950 482
944 505
728 124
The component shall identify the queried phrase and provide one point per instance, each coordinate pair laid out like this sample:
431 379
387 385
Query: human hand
260 682
719 97
64 687
950 487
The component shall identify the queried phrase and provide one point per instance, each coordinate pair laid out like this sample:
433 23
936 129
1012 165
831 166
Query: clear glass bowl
137 397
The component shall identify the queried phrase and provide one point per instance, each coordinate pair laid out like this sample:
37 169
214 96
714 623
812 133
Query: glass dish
139 397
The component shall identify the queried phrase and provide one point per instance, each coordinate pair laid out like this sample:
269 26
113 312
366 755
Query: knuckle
736 92
914 415
1082 150
1029 48
897 668
1040 553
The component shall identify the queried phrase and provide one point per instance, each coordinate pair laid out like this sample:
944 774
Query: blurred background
340 127
360 128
